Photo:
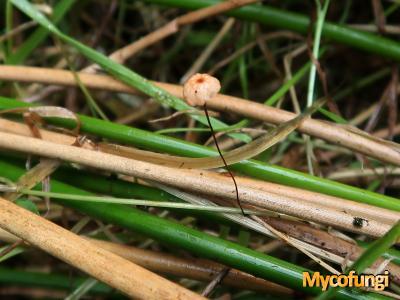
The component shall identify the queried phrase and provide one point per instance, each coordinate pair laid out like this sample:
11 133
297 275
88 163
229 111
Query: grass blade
30 44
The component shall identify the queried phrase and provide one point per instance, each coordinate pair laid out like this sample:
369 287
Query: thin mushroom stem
223 159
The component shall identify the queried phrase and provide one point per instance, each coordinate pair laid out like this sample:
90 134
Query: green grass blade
321 13
82 289
236 126
392 254
138 202
40 34
9 24
10 254
288 84
375 250
334 117
44 280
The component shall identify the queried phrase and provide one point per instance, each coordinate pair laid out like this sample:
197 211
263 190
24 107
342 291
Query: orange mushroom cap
200 88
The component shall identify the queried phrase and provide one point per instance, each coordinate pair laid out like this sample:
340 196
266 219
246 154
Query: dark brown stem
223 159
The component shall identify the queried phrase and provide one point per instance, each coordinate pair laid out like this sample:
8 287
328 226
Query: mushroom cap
200 88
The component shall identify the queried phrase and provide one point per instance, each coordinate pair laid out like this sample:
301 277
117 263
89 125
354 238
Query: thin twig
247 47
217 280
379 14
15 244
17 30
200 61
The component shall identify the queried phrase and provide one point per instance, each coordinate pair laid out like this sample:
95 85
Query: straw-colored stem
320 129
76 251
199 181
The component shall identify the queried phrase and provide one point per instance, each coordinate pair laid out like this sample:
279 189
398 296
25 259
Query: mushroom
200 88
197 90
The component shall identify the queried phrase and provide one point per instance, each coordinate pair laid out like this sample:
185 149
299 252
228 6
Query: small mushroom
200 88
